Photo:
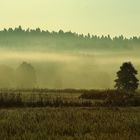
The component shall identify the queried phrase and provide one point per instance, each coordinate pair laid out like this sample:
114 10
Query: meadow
70 123
69 114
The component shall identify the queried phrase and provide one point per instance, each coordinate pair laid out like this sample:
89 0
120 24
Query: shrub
103 94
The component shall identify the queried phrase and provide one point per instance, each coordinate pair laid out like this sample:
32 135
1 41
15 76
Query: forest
64 41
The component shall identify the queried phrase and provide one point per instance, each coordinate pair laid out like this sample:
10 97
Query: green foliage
19 38
127 80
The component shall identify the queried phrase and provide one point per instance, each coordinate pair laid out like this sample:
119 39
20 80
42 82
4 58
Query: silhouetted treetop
126 78
19 36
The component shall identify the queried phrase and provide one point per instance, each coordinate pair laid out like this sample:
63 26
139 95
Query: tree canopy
126 78
19 37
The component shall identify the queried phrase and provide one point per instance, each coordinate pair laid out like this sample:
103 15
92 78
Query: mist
95 69
42 59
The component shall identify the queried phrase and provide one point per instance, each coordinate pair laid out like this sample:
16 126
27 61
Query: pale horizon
96 17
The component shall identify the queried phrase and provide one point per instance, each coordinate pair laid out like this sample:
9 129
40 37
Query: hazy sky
112 17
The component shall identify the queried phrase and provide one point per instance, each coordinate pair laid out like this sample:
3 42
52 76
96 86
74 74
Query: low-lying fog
65 69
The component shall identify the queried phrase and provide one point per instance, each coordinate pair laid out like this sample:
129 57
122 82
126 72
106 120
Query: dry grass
60 98
12 99
46 115
70 124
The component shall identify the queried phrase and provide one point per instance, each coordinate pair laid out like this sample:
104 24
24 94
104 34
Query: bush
125 101
103 94
10 100
112 98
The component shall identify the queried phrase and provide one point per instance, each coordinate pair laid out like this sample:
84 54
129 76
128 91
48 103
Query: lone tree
26 76
127 80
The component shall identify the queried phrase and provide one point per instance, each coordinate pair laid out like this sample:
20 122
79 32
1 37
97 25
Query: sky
100 17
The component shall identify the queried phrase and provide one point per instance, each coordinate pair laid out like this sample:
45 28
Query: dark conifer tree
126 78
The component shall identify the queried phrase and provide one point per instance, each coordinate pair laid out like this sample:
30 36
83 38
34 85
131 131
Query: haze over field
78 43
66 59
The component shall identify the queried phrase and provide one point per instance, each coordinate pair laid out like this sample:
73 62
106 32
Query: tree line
37 37
38 31
24 76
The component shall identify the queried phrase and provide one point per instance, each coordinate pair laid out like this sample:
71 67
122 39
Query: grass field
70 124
64 115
